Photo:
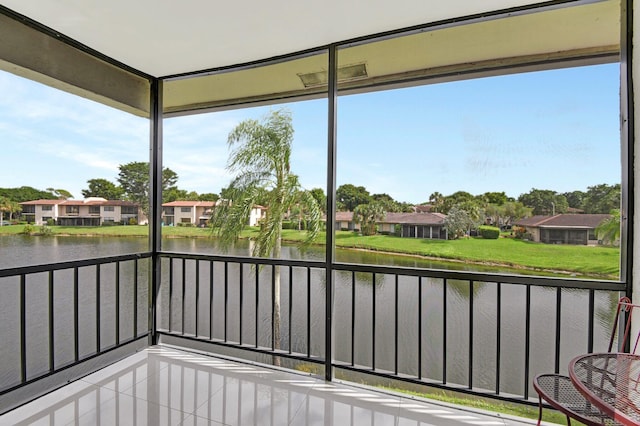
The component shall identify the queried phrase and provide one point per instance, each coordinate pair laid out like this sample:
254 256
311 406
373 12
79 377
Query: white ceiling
162 37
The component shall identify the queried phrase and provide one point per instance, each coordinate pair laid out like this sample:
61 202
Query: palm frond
230 216
313 214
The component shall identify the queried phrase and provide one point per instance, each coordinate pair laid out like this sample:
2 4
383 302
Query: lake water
24 250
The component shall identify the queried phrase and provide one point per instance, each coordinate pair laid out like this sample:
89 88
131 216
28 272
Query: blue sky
548 130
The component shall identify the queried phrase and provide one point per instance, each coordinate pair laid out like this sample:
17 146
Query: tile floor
166 386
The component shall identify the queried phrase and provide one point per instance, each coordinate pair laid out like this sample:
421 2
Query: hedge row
489 232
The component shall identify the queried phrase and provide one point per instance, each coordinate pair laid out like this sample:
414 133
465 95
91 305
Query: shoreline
570 274
551 272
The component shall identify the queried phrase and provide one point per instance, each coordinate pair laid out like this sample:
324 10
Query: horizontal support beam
39 56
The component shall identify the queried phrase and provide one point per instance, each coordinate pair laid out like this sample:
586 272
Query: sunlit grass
593 261
589 260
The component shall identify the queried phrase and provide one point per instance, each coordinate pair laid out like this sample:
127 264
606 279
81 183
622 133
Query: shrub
28 229
288 224
51 222
133 221
519 232
489 232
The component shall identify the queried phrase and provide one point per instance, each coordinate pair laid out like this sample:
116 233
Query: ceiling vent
345 73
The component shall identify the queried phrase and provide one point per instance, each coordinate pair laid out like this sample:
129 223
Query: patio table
611 382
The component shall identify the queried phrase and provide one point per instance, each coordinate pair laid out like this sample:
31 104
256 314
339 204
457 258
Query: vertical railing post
556 367
257 308
444 331
395 331
197 309
135 298
373 322
590 320
498 335
76 317
23 328
290 309
183 294
527 341
211 299
52 344
332 96
155 204
419 327
308 312
470 348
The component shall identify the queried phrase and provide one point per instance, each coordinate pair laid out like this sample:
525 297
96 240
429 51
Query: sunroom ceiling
160 38
589 33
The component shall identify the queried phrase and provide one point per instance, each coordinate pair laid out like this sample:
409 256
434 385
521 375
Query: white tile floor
166 386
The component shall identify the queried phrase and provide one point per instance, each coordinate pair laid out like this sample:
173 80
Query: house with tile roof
406 225
563 228
344 222
414 225
93 211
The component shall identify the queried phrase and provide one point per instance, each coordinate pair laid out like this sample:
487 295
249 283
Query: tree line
133 183
466 211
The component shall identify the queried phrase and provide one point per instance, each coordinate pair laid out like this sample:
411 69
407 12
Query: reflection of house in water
94 211
199 212
407 225
563 228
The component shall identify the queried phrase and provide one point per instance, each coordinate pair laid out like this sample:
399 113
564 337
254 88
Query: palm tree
5 207
260 159
609 229
437 200
368 215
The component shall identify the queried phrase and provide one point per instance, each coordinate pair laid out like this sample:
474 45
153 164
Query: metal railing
425 327
228 287
68 313
483 334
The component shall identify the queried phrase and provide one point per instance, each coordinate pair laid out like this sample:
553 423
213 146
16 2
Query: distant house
423 208
186 212
407 225
94 211
415 225
199 212
344 222
256 214
563 228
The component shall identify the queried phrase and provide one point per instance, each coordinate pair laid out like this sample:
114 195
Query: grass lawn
590 260
596 262
593 261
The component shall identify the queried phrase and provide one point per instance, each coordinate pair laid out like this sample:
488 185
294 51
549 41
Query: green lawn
590 260
595 262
